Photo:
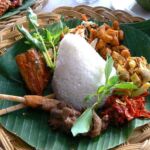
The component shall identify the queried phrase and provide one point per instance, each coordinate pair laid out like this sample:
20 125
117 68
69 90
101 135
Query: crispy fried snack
33 70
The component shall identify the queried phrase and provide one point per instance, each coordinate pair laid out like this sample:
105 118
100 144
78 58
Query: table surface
128 5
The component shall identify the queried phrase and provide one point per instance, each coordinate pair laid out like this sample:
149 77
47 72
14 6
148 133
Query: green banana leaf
11 12
32 125
143 26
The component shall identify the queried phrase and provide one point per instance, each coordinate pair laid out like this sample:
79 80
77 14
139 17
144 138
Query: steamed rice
79 71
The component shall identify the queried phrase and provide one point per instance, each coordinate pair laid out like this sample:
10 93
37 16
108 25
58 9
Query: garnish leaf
29 37
32 18
126 85
108 67
113 80
101 89
83 123
48 36
89 97
37 39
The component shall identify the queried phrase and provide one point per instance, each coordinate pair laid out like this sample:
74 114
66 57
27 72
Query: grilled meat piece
33 70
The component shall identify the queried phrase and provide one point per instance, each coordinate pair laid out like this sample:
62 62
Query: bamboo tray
139 140
39 4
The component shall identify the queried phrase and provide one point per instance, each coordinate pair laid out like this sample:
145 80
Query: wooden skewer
50 96
19 98
11 109
16 99
12 98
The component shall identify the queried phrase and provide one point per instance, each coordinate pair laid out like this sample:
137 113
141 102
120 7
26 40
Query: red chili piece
121 109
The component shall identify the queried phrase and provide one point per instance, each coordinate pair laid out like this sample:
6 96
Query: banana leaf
32 125
143 26
14 11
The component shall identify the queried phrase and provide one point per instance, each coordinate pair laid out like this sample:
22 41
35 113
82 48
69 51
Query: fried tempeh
33 70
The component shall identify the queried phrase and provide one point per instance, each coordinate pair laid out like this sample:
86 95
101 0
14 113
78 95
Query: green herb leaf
29 37
108 67
118 93
48 36
89 97
113 80
38 44
101 89
32 18
83 123
126 85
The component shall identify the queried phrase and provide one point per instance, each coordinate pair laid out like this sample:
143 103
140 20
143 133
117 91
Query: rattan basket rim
37 6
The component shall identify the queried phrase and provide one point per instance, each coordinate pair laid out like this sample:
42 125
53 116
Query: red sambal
121 109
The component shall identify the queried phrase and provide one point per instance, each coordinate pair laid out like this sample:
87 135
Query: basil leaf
126 85
83 123
32 18
108 67
113 80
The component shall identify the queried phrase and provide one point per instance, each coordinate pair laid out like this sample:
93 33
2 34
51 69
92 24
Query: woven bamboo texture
39 4
139 140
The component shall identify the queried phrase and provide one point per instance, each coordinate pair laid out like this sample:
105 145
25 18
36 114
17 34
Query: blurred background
130 6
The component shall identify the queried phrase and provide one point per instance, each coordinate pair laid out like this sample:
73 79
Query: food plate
32 125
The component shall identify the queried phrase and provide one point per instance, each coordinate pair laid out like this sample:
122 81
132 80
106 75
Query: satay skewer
16 99
62 116
12 109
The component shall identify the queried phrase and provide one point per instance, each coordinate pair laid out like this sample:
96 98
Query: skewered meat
33 70
62 116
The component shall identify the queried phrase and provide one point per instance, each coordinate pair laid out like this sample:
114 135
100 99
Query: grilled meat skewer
62 116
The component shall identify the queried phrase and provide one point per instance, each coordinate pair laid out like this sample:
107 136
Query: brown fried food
33 70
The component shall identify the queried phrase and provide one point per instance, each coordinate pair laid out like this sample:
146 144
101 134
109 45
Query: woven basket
39 4
139 140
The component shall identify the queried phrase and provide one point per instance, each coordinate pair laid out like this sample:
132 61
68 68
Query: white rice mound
79 71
